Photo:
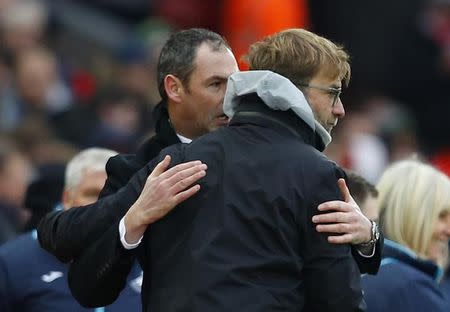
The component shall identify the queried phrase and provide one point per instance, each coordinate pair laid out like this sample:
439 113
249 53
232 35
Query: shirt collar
184 139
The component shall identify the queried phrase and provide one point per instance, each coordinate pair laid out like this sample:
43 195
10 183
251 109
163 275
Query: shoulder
19 247
397 276
23 255
401 285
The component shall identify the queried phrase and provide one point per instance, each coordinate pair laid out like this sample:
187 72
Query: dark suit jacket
246 242
66 234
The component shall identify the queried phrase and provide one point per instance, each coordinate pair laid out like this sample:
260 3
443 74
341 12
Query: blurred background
75 74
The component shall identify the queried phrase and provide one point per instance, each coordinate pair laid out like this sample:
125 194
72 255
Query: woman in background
414 202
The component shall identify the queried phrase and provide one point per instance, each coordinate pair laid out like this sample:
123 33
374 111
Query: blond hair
412 196
299 55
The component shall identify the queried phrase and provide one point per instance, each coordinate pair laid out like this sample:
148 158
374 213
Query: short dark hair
178 54
359 187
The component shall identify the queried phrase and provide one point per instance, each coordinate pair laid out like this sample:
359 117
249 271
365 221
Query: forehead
209 62
327 77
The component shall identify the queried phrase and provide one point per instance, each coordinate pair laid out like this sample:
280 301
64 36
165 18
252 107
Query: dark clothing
7 232
59 232
33 280
44 193
9 221
445 286
246 242
404 283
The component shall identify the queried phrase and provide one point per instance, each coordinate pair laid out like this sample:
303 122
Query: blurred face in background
36 74
15 174
87 191
22 24
438 251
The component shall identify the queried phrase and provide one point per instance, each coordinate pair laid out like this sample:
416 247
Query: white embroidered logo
51 276
136 284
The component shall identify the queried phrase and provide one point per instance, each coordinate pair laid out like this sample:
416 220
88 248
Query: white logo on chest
51 276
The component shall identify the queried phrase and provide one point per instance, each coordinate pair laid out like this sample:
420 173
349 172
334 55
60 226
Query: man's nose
338 109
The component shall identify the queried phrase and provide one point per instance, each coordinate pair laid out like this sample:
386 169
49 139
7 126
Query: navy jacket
33 280
404 283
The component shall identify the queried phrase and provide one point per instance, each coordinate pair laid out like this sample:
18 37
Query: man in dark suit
187 95
31 279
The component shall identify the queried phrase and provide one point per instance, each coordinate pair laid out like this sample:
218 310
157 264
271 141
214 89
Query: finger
335 205
188 181
341 239
339 228
182 196
180 167
332 217
161 166
344 190
183 174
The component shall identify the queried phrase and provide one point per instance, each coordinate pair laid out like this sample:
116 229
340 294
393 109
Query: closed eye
215 84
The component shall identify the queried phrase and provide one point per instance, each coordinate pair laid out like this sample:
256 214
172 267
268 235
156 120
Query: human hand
344 219
162 191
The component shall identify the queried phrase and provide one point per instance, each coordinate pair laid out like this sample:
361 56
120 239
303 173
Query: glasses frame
336 92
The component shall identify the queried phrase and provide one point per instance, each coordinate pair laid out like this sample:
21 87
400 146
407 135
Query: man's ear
67 199
173 87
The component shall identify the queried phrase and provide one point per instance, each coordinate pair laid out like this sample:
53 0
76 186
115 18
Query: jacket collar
165 134
395 252
251 110
276 92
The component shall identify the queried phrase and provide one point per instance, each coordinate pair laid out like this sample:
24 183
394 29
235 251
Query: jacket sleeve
99 274
97 277
66 233
332 278
372 264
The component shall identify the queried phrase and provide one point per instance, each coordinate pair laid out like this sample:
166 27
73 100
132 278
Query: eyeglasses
335 92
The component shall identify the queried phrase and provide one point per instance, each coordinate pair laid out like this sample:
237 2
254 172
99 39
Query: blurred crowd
79 74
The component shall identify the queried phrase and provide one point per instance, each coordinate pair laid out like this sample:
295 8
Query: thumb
161 166
345 191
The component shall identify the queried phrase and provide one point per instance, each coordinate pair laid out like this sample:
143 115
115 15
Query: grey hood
276 91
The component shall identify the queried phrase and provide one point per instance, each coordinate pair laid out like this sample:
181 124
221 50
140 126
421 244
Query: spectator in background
33 280
364 193
40 144
122 120
415 217
35 88
116 119
44 192
15 174
22 26
135 69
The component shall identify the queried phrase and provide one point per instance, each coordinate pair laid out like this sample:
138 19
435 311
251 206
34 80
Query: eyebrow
217 77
